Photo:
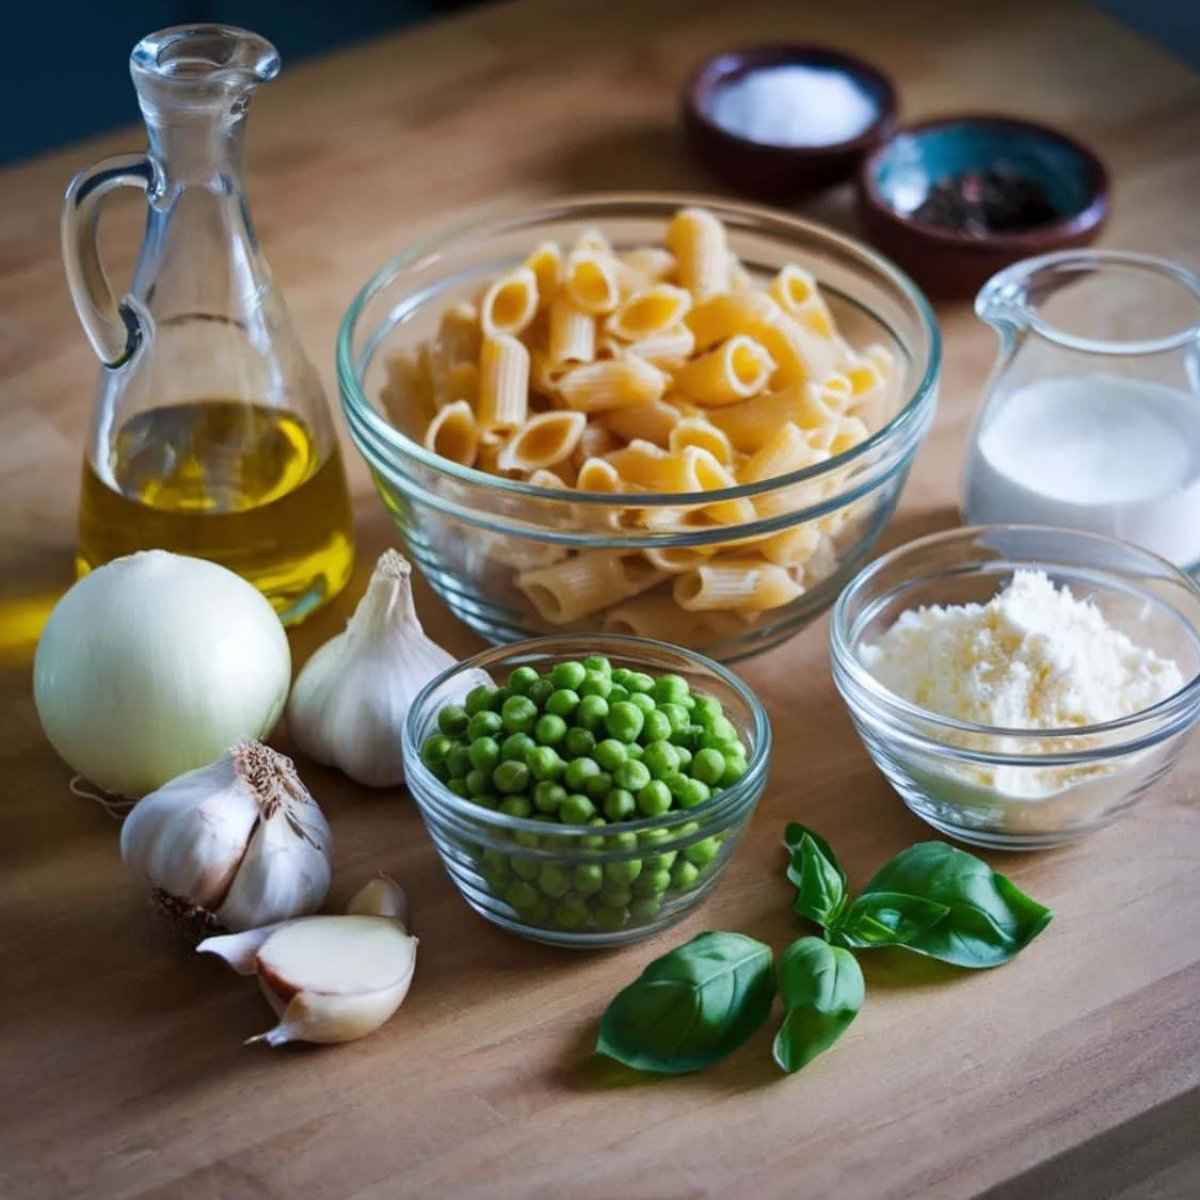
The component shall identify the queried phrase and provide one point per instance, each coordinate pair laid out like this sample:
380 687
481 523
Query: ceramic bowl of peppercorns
956 199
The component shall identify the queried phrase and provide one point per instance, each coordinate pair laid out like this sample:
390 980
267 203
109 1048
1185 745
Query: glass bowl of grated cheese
1020 686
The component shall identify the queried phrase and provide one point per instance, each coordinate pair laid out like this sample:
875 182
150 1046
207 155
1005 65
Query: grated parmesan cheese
1033 657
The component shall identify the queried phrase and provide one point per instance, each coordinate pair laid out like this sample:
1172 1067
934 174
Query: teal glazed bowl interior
474 534
1019 789
896 179
528 876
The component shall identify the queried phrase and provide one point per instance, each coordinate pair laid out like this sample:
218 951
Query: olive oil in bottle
239 483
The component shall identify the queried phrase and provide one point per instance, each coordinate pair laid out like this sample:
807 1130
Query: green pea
703 852
692 737
706 710
554 880
688 702
684 756
509 779
654 799
632 775
452 720
622 873
578 743
592 712
524 868
480 699
521 680
541 691
651 883
547 796
708 765
678 716
657 727
500 695
720 729
434 749
616 897
550 729
562 703
624 721
609 917
642 701
493 866
598 786
597 662
519 714
619 805
484 753
478 782
587 878
484 724
735 768
576 809
571 912
568 674
458 762
521 895
458 787
610 753
661 862
660 759
620 674
684 875
670 689
617 692
645 908
438 770
488 800
635 750
639 681
595 683
579 771
693 792
516 747
544 763
527 839
594 841
625 840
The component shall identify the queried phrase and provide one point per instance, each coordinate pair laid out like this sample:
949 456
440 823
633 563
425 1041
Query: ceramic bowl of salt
777 123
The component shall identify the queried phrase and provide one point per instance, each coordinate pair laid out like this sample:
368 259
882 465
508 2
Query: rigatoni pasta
670 370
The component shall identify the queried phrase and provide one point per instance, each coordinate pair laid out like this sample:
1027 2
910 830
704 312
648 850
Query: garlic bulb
348 705
330 979
155 664
234 845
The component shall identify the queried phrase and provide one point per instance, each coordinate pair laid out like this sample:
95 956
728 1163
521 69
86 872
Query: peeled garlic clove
349 703
236 845
333 979
382 897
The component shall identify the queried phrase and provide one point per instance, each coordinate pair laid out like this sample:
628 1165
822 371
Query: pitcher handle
116 330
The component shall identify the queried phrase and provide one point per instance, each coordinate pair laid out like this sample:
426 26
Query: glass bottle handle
115 329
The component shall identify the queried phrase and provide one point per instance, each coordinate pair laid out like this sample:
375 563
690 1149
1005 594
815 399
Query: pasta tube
546 264
542 441
572 332
735 370
510 304
453 434
739 584
697 239
565 591
650 311
503 384
590 279
615 383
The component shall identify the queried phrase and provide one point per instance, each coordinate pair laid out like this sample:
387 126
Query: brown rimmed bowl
896 177
776 173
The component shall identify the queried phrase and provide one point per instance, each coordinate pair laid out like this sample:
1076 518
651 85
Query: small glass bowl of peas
593 792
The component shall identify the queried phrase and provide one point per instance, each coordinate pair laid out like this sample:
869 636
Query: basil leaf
989 919
887 919
692 1006
822 988
817 875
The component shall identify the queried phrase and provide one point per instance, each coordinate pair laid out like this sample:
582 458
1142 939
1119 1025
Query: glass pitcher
1091 417
211 435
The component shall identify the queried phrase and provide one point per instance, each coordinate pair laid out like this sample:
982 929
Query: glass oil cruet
1091 416
212 436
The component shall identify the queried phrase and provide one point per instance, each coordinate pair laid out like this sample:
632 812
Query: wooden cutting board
1072 1072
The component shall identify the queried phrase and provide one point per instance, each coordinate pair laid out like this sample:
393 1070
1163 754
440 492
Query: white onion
156 664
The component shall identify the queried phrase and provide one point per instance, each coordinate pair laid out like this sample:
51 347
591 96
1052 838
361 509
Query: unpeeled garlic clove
382 897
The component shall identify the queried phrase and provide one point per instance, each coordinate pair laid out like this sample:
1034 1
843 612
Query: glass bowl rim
725 805
506 215
1180 709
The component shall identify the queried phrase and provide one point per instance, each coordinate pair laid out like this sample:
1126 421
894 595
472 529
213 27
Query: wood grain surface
1072 1072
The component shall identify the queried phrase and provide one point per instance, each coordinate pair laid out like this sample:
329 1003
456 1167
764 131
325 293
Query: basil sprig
692 1006
932 899
822 989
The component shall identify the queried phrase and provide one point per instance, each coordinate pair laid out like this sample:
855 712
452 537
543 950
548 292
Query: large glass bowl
502 865
473 533
1020 789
